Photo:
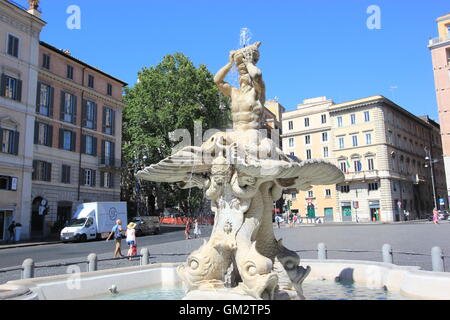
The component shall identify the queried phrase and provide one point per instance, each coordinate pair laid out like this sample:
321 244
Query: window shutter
83 113
102 160
1 137
50 137
10 45
94 146
16 47
16 143
3 86
52 97
19 91
74 118
113 122
95 116
94 178
81 176
83 143
73 140
104 120
48 172
111 179
61 111
113 153
38 97
36 132
102 179
61 138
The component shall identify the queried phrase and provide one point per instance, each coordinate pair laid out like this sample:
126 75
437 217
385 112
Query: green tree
172 95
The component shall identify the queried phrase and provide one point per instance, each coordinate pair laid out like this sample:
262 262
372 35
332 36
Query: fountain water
242 173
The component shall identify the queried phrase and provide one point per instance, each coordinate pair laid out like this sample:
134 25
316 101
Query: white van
93 219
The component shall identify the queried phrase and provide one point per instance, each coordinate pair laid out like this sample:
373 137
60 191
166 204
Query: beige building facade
19 47
378 145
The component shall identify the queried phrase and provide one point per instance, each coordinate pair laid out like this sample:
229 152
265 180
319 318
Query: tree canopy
172 95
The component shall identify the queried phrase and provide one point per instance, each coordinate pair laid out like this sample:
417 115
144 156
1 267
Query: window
341 143
306 122
291 125
89 145
370 164
355 140
106 180
107 153
88 177
323 118
67 140
10 141
366 116
109 89
368 138
65 174
8 183
324 136
373 186
46 61
339 120
357 165
43 134
44 100
310 194
343 167
353 118
13 46
325 152
108 121
292 154
68 107
327 193
308 139
293 196
345 189
91 81
11 88
308 154
291 142
42 171
90 115
69 72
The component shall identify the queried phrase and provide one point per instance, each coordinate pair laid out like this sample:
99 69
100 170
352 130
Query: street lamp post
430 160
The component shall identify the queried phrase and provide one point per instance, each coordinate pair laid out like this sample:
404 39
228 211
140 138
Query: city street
170 246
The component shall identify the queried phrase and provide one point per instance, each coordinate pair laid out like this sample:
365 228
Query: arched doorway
37 219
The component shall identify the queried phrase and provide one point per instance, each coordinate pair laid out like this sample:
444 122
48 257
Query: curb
24 245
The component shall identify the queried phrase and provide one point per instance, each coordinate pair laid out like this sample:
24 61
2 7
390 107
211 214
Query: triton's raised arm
219 78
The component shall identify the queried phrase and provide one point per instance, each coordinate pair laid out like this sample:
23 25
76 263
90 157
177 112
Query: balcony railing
361 175
105 162
437 40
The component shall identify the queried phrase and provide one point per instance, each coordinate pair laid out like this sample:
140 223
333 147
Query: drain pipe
81 134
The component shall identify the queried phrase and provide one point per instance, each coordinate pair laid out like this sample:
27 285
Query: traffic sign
441 202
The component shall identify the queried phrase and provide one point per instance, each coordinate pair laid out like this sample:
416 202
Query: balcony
362 175
438 40
109 163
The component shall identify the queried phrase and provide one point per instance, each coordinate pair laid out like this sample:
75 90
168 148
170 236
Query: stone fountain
242 172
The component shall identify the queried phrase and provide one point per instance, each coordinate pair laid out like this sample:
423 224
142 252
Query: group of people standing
192 224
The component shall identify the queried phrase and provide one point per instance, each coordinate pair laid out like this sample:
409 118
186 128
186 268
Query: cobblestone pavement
413 237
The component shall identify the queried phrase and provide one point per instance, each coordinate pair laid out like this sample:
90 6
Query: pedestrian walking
278 220
197 231
435 216
12 232
187 229
291 219
131 240
295 219
117 232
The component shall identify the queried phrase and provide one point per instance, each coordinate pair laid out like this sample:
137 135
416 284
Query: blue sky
310 47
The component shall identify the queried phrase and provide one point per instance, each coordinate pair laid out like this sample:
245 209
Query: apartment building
77 138
440 54
382 150
19 47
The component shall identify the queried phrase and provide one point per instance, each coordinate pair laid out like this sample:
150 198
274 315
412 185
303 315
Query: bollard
92 262
437 259
145 256
28 269
322 251
387 253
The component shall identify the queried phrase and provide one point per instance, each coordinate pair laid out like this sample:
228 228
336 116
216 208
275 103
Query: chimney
33 8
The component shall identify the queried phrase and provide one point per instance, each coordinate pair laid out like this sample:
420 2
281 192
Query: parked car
146 225
443 215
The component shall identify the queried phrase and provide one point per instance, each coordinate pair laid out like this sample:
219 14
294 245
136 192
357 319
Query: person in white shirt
131 239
